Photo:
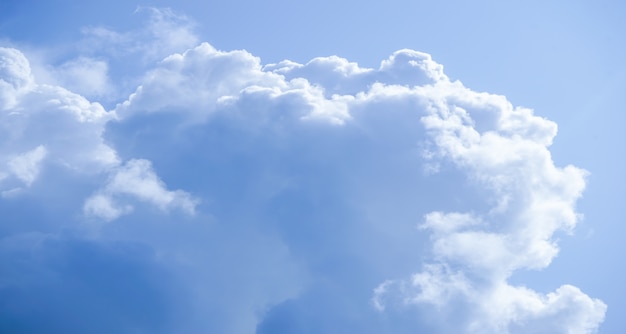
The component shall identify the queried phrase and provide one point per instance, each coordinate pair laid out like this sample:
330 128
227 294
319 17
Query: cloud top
499 148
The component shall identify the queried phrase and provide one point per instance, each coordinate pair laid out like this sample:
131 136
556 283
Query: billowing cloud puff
501 150
305 187
505 151
42 123
136 178
202 78
14 75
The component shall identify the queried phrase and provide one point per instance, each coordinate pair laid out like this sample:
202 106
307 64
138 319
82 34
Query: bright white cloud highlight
38 121
501 149
26 166
137 179
505 151
15 76
67 130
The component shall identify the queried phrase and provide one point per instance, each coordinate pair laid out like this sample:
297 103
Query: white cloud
502 150
15 76
26 166
67 130
61 126
103 207
196 81
505 151
328 138
137 179
85 76
14 68
411 67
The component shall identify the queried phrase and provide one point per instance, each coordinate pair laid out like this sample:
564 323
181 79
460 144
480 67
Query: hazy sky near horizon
328 167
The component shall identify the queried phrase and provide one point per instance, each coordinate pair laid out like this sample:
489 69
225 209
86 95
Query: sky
312 167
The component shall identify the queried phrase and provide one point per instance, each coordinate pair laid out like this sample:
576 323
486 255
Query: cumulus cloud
501 150
42 121
26 166
504 150
203 79
311 177
15 76
67 130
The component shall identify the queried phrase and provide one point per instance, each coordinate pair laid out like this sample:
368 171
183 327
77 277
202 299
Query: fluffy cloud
46 123
15 76
310 179
136 178
203 79
26 166
500 149
49 123
503 150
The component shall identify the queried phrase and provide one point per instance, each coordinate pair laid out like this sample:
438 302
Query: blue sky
281 167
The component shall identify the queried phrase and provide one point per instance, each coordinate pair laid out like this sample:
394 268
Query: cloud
340 76
26 166
15 76
64 128
300 188
85 76
164 33
503 150
137 179
42 121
